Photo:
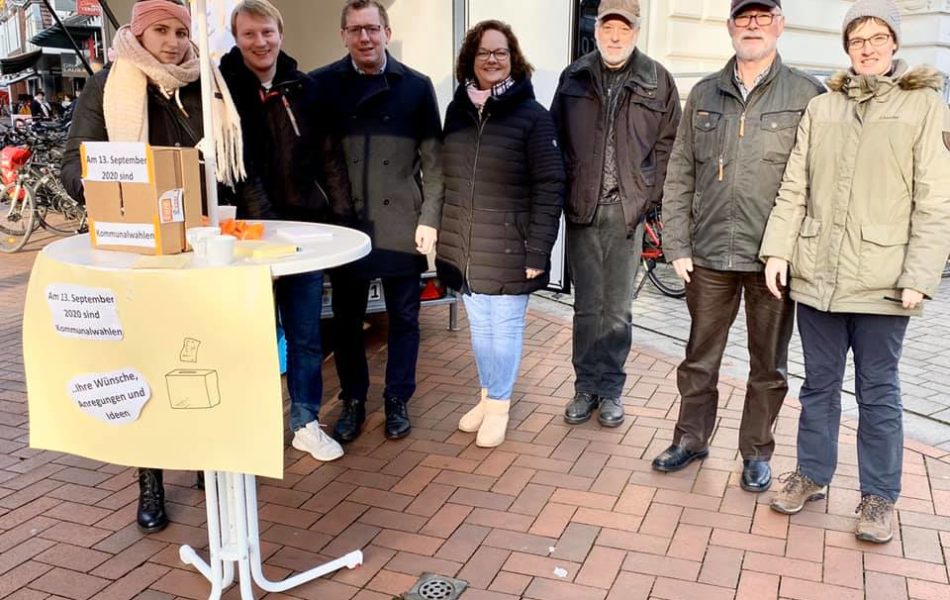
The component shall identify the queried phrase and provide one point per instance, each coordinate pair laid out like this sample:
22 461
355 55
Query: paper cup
226 212
196 237
220 250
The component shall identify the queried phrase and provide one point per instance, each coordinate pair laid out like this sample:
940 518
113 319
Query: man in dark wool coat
389 122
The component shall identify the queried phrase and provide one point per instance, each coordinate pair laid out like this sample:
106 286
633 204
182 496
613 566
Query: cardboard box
148 218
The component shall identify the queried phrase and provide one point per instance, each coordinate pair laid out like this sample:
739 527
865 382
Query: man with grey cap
738 129
616 111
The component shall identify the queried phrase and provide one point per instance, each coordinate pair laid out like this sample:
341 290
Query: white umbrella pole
200 12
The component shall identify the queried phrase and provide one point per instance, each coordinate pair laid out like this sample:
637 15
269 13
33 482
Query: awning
55 37
15 64
24 75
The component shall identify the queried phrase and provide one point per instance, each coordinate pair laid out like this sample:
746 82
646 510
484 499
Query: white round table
231 498
341 247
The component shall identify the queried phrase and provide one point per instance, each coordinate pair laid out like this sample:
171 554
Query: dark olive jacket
727 165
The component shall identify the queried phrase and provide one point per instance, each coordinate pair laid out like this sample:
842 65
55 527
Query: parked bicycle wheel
58 212
17 218
664 277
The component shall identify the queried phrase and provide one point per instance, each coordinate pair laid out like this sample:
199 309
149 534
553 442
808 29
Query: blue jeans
877 341
497 326
300 301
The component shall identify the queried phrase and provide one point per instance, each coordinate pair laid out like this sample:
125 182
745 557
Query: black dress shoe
611 412
580 408
351 420
676 458
151 515
756 475
397 419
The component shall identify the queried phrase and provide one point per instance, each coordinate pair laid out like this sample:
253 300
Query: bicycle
33 196
656 268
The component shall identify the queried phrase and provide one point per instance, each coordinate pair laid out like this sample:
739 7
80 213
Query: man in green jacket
738 128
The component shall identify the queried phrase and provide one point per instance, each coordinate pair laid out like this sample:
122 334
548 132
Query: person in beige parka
862 222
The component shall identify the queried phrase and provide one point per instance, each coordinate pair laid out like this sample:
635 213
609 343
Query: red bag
12 159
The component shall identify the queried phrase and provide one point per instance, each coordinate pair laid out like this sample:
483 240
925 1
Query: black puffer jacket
167 125
504 190
296 170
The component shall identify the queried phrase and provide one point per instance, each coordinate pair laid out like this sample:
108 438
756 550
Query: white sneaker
311 439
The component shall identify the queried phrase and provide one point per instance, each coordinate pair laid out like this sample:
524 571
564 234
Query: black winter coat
392 139
295 168
504 190
167 125
646 123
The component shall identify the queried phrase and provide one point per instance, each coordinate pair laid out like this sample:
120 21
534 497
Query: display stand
234 537
231 498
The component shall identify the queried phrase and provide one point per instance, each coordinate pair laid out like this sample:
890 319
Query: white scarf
125 102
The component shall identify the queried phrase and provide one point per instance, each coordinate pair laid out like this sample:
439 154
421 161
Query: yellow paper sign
162 368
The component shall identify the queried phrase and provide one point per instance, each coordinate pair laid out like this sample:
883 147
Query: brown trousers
713 300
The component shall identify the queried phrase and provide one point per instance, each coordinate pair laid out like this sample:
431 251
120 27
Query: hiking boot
875 520
798 490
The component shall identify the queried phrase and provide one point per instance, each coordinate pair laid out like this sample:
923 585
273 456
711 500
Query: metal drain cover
436 587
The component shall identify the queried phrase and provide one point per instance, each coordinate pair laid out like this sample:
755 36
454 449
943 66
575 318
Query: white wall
689 36
543 28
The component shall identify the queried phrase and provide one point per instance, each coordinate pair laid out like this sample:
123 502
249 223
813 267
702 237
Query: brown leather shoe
798 490
875 520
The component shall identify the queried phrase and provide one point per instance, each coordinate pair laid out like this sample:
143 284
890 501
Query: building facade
36 52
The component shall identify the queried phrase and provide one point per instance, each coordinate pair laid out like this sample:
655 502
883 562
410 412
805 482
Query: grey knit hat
885 10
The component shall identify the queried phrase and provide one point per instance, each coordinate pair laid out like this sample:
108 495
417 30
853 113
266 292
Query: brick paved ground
556 512
663 323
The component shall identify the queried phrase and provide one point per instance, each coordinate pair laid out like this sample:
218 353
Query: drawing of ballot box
193 388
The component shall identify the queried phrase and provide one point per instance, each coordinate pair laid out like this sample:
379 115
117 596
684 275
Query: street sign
88 8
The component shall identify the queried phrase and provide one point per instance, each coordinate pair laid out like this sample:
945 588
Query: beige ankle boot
472 420
494 424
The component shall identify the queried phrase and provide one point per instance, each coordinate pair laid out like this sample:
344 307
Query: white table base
234 538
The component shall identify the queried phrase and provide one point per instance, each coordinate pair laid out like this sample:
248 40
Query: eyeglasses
357 30
761 19
876 41
501 55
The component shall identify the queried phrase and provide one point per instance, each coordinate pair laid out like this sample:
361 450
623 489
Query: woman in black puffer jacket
504 189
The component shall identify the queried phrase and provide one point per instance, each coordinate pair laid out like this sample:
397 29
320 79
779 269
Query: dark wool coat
392 140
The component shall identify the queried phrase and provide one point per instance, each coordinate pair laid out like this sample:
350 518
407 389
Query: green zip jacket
727 164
